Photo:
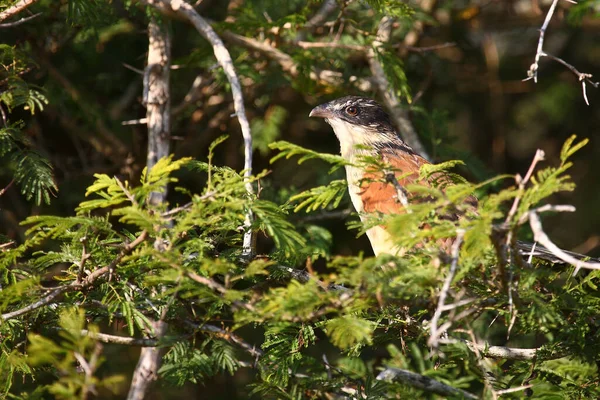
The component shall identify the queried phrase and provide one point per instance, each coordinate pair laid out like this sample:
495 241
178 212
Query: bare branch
541 237
435 331
422 382
157 99
320 16
532 73
401 193
124 340
187 12
522 182
147 367
19 22
391 101
15 8
287 63
511 353
87 281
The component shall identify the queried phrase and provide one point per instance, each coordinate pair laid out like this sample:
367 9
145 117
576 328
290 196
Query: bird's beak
321 111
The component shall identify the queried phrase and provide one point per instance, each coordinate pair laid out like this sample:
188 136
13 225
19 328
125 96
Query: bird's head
358 122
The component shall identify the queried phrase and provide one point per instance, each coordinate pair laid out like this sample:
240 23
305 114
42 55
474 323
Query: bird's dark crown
366 113
356 110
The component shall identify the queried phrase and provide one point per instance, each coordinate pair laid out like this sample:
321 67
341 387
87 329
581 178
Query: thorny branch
532 73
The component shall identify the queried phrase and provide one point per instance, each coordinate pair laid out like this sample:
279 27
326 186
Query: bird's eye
352 111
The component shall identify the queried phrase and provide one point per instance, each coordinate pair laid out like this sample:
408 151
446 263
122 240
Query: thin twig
422 382
435 332
401 193
16 8
289 65
187 12
85 282
19 22
532 73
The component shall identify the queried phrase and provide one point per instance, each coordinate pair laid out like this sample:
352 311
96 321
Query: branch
540 236
532 73
288 65
157 99
401 193
511 353
124 340
15 8
187 12
435 332
75 285
422 382
383 86
19 22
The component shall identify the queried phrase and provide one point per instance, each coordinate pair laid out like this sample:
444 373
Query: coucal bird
364 129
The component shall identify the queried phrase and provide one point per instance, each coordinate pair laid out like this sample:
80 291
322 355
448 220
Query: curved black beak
321 111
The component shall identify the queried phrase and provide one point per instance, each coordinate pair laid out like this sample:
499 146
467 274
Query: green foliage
268 129
297 321
32 172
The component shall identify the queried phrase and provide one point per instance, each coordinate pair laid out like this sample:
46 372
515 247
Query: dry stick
157 100
87 281
510 353
540 236
401 193
16 8
19 22
435 332
422 382
532 73
187 12
385 89
522 183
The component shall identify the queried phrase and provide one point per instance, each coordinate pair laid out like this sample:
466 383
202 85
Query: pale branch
191 96
512 390
399 114
123 340
455 253
422 382
187 12
522 182
512 353
231 338
401 193
147 367
157 99
19 22
287 63
321 15
75 285
545 208
532 73
540 236
16 8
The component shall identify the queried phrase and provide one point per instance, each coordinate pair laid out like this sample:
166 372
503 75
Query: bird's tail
538 251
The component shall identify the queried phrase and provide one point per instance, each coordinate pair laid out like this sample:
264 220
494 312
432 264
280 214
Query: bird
364 129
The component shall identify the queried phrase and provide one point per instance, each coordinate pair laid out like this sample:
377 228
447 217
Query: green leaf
348 331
